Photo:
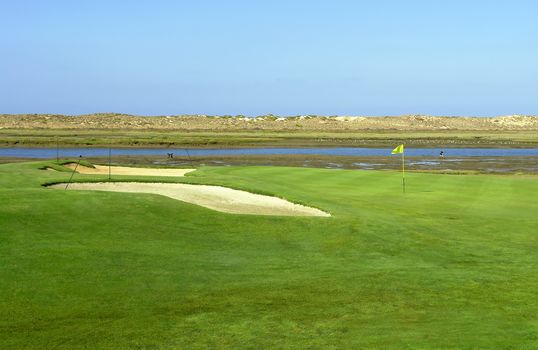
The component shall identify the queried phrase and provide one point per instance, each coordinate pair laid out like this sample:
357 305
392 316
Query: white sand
214 197
121 170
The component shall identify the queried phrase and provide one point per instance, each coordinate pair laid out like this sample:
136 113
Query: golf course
449 264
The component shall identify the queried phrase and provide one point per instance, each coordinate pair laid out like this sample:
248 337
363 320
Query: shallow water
44 153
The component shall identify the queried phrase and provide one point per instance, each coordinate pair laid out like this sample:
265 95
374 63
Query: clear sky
376 57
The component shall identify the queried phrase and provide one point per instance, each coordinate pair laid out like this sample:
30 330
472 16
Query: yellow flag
398 150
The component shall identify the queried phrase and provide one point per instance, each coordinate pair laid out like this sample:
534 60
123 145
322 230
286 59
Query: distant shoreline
120 130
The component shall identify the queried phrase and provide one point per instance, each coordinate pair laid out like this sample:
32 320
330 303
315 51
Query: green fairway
452 264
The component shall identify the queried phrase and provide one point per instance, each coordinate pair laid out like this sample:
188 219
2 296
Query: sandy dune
104 121
120 170
214 197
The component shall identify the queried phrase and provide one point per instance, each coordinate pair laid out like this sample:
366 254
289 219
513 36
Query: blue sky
258 57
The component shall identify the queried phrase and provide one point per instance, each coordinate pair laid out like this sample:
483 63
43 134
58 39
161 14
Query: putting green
451 264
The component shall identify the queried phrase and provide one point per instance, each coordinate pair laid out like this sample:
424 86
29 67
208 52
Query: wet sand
448 164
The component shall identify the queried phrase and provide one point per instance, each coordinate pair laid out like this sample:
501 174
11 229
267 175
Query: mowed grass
452 264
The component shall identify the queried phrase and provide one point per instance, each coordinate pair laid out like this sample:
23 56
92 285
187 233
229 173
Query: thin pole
57 151
109 163
403 172
189 156
73 173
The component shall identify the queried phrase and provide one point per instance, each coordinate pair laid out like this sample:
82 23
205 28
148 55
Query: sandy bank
214 197
120 170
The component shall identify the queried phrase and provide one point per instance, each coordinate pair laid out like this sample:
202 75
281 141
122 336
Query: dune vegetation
112 129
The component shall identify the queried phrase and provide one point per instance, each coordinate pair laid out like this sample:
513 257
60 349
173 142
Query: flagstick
74 171
403 172
109 163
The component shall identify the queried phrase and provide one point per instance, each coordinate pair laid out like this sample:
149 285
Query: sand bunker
121 170
214 197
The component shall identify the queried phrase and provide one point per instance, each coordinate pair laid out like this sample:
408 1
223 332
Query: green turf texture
452 264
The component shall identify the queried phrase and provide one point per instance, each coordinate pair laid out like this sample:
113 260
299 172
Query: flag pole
401 149
109 162
403 171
